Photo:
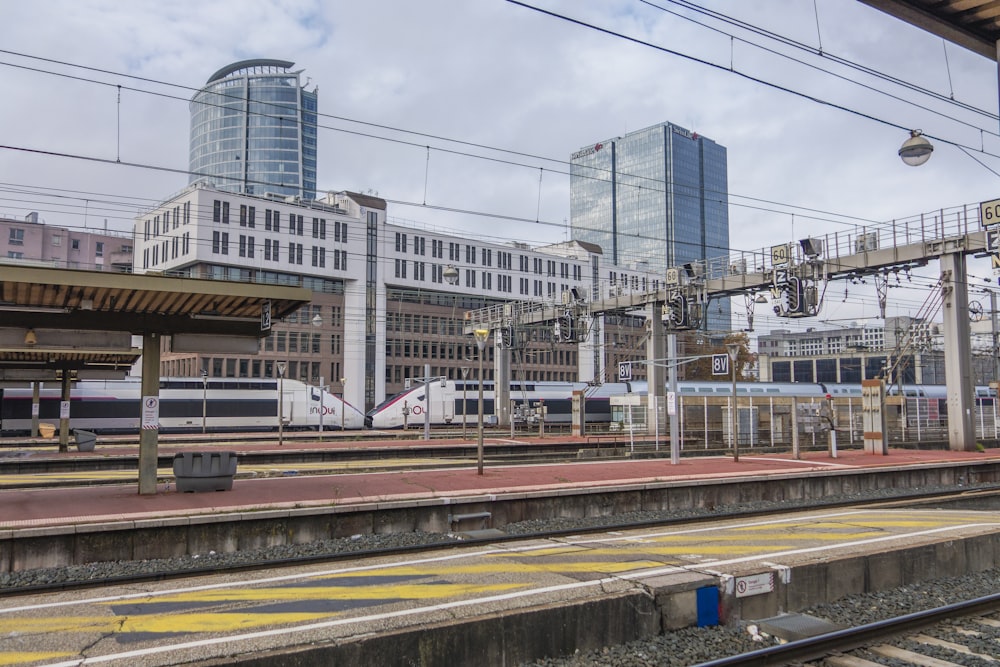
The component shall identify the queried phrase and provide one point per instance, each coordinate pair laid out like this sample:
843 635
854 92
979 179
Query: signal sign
625 371
989 212
720 364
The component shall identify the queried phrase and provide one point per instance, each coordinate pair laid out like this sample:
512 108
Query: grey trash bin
204 471
85 440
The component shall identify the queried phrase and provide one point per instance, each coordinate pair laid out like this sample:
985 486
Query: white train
447 399
227 404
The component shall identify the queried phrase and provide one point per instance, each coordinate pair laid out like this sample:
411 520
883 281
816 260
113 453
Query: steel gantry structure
795 276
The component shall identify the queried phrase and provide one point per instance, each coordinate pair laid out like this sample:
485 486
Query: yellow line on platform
156 623
14 658
381 592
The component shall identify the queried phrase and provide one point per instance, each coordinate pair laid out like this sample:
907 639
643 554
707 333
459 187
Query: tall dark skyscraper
653 199
253 130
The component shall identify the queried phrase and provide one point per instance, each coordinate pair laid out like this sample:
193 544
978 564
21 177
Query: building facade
31 241
383 309
913 348
653 199
253 130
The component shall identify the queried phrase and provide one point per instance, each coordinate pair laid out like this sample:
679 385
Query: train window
755 390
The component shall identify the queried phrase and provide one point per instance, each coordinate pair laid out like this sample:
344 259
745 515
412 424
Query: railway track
949 635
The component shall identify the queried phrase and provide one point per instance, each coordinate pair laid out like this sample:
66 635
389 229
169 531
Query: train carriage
224 404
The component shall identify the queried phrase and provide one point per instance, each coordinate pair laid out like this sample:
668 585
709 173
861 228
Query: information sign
780 255
265 316
989 212
720 364
625 371
754 584
150 412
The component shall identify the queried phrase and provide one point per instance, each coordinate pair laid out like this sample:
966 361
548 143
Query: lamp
450 275
30 339
343 401
916 150
761 298
812 248
482 335
281 402
734 351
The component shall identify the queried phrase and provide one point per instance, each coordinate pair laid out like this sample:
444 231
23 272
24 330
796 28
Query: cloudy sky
463 113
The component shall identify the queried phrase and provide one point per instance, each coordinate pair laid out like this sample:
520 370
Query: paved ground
60 506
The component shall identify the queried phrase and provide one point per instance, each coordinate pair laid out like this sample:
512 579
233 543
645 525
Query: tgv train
225 404
451 402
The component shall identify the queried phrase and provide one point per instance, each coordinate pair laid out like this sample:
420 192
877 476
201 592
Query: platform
69 506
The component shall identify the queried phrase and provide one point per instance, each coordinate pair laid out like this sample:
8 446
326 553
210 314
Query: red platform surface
22 508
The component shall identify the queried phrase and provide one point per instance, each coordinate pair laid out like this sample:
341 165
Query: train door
443 396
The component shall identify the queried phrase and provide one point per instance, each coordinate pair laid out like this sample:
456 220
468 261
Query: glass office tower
253 130
653 199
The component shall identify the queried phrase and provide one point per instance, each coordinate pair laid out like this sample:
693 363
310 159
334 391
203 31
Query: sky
463 113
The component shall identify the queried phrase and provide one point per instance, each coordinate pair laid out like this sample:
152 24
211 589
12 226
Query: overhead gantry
61 323
794 275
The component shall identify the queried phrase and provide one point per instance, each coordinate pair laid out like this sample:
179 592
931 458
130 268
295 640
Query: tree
701 369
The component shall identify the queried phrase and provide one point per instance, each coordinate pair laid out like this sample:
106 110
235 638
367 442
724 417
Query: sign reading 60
989 212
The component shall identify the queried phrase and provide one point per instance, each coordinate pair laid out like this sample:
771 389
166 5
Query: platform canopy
974 24
66 319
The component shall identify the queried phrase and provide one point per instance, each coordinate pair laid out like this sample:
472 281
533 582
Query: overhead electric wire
826 55
743 75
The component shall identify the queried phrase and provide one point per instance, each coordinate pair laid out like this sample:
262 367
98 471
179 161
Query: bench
204 471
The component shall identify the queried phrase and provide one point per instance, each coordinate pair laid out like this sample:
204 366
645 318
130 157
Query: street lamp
204 398
734 351
482 335
465 388
281 402
916 150
343 401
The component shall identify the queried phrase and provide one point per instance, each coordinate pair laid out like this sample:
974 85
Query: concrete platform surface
79 505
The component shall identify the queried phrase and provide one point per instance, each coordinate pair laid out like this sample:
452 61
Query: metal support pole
35 403
281 403
427 401
465 389
995 327
482 335
734 351
322 407
204 401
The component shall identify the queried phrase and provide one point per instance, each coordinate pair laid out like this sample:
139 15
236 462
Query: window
99 249
225 213
16 236
319 228
15 255
318 256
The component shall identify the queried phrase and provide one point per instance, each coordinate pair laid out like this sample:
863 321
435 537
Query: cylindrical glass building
253 130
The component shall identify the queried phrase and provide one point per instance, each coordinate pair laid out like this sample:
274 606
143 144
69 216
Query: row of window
272 251
16 238
179 215
483 256
166 250
294 223
304 342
